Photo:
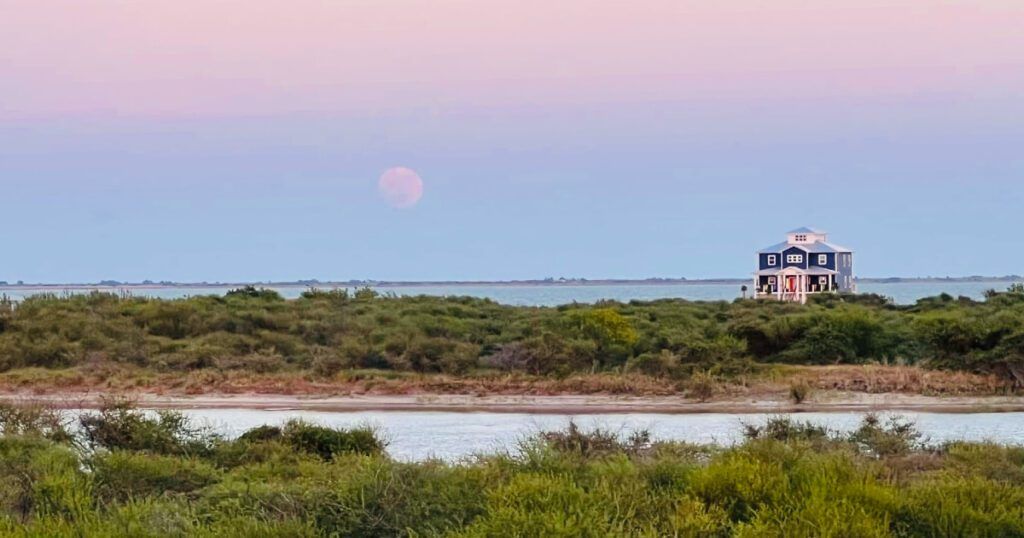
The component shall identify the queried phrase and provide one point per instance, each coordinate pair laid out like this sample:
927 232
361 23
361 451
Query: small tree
610 331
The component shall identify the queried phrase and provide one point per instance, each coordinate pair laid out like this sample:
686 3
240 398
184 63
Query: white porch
793 283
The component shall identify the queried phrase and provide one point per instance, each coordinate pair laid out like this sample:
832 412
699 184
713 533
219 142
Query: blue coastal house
805 263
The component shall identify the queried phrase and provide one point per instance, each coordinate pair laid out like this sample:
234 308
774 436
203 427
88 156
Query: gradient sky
243 140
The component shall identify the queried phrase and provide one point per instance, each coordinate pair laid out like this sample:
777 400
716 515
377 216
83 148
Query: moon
401 187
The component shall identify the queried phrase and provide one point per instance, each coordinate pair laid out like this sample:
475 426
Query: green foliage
124 475
120 426
786 429
327 332
35 420
327 442
40 478
787 479
895 436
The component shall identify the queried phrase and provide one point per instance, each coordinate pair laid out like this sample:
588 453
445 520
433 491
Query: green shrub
126 475
120 426
894 437
328 442
783 428
966 507
33 419
39 478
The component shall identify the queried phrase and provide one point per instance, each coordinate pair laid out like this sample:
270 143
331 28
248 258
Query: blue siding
763 261
830 261
845 268
794 250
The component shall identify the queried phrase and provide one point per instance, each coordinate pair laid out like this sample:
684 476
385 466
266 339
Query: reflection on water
551 295
450 436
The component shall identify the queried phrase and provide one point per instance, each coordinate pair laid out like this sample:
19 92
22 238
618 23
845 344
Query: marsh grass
787 479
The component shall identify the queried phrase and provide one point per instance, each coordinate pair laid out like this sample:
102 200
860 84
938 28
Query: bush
597 442
120 426
894 437
34 420
125 475
799 392
329 442
662 364
40 478
786 429
328 364
702 386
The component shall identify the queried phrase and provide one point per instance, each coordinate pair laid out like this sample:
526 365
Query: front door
790 284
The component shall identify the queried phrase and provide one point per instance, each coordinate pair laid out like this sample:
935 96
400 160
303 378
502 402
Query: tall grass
786 479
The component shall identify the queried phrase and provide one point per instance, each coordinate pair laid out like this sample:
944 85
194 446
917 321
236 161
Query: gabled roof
805 230
820 247
779 247
817 247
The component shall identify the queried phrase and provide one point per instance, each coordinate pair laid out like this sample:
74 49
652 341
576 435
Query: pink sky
226 58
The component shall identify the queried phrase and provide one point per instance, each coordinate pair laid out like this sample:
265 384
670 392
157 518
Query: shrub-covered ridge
324 333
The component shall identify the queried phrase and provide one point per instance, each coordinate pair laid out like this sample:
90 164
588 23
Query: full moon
401 187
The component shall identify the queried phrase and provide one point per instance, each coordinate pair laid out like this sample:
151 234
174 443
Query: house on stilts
804 264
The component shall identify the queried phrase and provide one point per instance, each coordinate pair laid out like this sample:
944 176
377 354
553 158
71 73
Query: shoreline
472 283
838 402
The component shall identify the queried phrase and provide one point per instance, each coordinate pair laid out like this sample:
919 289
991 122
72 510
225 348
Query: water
453 436
556 294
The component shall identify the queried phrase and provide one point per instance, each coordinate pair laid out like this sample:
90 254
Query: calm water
451 436
551 295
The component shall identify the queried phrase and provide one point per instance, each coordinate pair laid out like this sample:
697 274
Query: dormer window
771 259
794 258
822 259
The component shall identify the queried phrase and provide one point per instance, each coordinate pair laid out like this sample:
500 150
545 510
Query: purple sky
245 140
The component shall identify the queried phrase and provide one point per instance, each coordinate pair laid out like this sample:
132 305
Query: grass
786 479
765 382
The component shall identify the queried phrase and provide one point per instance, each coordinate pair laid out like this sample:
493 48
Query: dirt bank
581 404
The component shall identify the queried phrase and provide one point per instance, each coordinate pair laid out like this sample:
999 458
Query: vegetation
787 479
338 334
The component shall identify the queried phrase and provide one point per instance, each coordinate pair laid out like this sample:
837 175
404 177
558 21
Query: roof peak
806 230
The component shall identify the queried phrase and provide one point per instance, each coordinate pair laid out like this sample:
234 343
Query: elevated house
805 263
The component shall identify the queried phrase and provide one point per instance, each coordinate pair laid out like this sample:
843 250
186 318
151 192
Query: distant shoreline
471 283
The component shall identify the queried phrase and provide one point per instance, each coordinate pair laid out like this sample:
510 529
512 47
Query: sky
246 140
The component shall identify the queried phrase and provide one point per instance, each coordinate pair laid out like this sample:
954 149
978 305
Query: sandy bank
564 404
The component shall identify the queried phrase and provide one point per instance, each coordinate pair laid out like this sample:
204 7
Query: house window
823 281
771 280
794 258
800 238
822 259
771 259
